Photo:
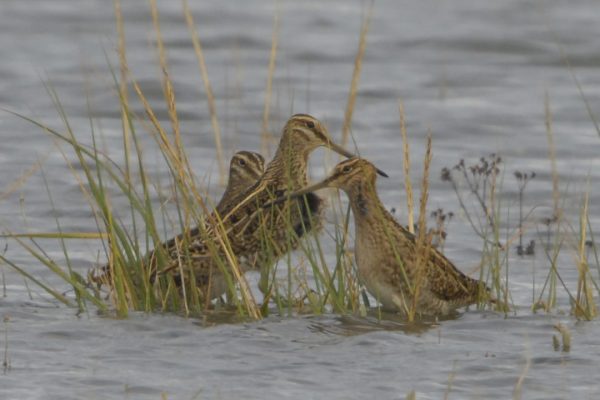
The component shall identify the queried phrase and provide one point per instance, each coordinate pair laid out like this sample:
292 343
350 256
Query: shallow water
473 73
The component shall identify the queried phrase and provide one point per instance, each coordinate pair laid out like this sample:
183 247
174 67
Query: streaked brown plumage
245 168
255 236
386 254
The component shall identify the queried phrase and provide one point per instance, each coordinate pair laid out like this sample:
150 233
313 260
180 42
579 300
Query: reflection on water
473 73
350 325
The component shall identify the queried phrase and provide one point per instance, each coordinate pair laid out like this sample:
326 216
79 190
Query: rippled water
472 72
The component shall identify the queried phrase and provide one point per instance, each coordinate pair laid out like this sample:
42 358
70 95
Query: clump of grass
132 278
342 289
483 189
557 233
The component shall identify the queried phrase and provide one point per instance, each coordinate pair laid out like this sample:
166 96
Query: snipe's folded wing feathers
448 282
444 280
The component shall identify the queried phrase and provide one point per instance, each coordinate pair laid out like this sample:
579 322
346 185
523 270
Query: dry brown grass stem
123 70
406 165
362 45
121 46
123 93
423 243
169 94
163 139
172 153
552 155
265 139
212 109
122 54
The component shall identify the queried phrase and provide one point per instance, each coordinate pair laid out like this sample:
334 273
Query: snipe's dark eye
310 124
242 162
347 169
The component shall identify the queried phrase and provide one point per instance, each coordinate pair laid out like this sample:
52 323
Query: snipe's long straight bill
340 150
290 196
309 189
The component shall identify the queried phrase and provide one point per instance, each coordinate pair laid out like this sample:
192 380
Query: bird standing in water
386 253
245 168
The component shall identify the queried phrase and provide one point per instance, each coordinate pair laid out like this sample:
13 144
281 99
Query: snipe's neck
289 166
366 205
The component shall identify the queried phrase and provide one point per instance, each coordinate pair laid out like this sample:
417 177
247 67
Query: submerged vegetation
314 281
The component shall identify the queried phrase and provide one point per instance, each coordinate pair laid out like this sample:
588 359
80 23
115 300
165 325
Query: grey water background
473 73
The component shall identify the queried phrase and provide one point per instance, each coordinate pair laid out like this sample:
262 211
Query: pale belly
389 298
397 299
377 283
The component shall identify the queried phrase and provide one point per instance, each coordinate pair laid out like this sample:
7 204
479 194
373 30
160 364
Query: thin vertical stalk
552 155
362 45
169 94
406 167
265 138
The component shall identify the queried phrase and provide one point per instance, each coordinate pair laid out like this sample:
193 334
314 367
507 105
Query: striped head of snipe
304 133
301 135
349 175
245 168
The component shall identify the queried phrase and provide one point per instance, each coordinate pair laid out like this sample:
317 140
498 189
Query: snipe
245 168
386 253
